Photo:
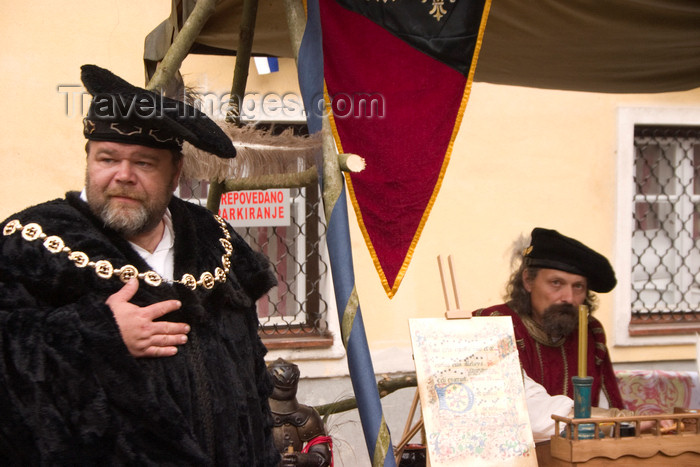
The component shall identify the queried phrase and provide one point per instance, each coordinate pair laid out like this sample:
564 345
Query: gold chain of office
105 270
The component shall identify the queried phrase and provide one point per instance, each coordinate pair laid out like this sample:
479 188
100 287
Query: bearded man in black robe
128 326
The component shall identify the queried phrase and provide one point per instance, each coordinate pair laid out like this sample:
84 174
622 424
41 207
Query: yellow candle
582 339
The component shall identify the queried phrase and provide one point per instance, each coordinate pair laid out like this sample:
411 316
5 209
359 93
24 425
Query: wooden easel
409 430
457 312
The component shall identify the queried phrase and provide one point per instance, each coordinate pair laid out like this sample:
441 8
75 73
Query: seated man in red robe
556 275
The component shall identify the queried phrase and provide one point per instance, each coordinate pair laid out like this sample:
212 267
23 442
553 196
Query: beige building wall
43 45
523 158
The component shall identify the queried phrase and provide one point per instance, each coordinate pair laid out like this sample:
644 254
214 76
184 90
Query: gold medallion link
79 258
104 269
220 275
31 232
54 244
11 227
127 272
152 278
207 280
227 245
189 281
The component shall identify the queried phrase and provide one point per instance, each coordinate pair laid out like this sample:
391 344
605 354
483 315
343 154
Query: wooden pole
243 53
331 168
240 79
385 386
374 426
296 19
265 182
181 45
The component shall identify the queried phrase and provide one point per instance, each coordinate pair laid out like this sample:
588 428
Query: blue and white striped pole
374 426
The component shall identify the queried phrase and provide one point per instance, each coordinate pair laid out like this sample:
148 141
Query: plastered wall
523 158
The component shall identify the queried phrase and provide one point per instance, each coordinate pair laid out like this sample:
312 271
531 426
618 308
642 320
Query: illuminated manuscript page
471 392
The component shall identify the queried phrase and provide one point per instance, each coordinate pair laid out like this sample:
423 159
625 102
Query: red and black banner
398 75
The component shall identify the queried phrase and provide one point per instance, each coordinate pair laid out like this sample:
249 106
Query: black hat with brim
552 250
124 113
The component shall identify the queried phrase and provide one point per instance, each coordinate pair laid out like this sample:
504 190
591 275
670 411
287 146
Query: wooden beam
181 45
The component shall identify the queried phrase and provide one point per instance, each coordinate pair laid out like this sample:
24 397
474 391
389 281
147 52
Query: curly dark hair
518 298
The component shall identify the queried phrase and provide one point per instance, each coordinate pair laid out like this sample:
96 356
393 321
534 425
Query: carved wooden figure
298 430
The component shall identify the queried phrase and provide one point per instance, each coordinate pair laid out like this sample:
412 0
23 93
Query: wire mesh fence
294 313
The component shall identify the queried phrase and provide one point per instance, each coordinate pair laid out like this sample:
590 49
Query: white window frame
627 118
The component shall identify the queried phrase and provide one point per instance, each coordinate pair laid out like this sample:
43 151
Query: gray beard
129 222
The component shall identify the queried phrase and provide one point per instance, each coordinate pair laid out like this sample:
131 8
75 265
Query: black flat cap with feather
552 250
125 113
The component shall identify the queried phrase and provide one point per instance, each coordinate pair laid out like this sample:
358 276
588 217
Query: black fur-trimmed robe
70 392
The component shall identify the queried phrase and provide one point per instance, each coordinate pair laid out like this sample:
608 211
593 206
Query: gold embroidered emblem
123 129
88 126
438 10
154 134
438 7
527 250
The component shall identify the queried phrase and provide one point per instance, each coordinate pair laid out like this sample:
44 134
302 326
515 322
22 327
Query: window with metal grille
665 283
293 314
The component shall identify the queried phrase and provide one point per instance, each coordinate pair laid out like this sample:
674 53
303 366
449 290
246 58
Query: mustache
120 193
562 309
560 319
